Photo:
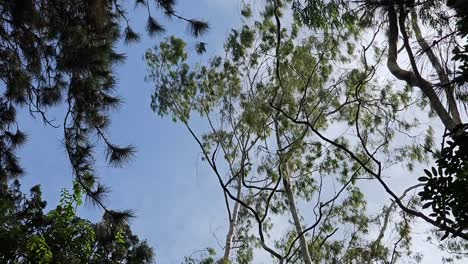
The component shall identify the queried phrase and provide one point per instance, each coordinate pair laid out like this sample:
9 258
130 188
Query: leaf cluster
445 187
30 235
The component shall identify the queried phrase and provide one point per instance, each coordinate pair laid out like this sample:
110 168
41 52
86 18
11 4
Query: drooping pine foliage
62 53
461 53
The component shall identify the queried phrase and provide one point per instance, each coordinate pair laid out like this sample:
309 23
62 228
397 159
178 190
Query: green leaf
423 179
246 11
428 173
426 205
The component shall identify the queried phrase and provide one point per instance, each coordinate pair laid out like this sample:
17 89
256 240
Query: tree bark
296 220
441 73
232 224
292 204
413 78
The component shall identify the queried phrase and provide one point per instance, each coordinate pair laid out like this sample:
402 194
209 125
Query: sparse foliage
294 109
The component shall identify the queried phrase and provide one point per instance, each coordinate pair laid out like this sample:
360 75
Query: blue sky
176 200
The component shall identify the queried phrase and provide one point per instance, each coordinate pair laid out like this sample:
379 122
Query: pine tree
61 53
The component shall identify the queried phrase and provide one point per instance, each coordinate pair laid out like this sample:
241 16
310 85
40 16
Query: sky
175 196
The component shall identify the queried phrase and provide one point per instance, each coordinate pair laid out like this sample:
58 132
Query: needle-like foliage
61 53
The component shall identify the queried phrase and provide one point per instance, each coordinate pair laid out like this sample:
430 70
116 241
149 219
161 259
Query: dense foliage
461 53
445 189
29 235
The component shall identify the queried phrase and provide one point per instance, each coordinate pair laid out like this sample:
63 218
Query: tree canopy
28 235
310 103
295 109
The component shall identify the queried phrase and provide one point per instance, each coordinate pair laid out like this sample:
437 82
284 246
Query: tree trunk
292 204
441 73
297 220
412 77
232 224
